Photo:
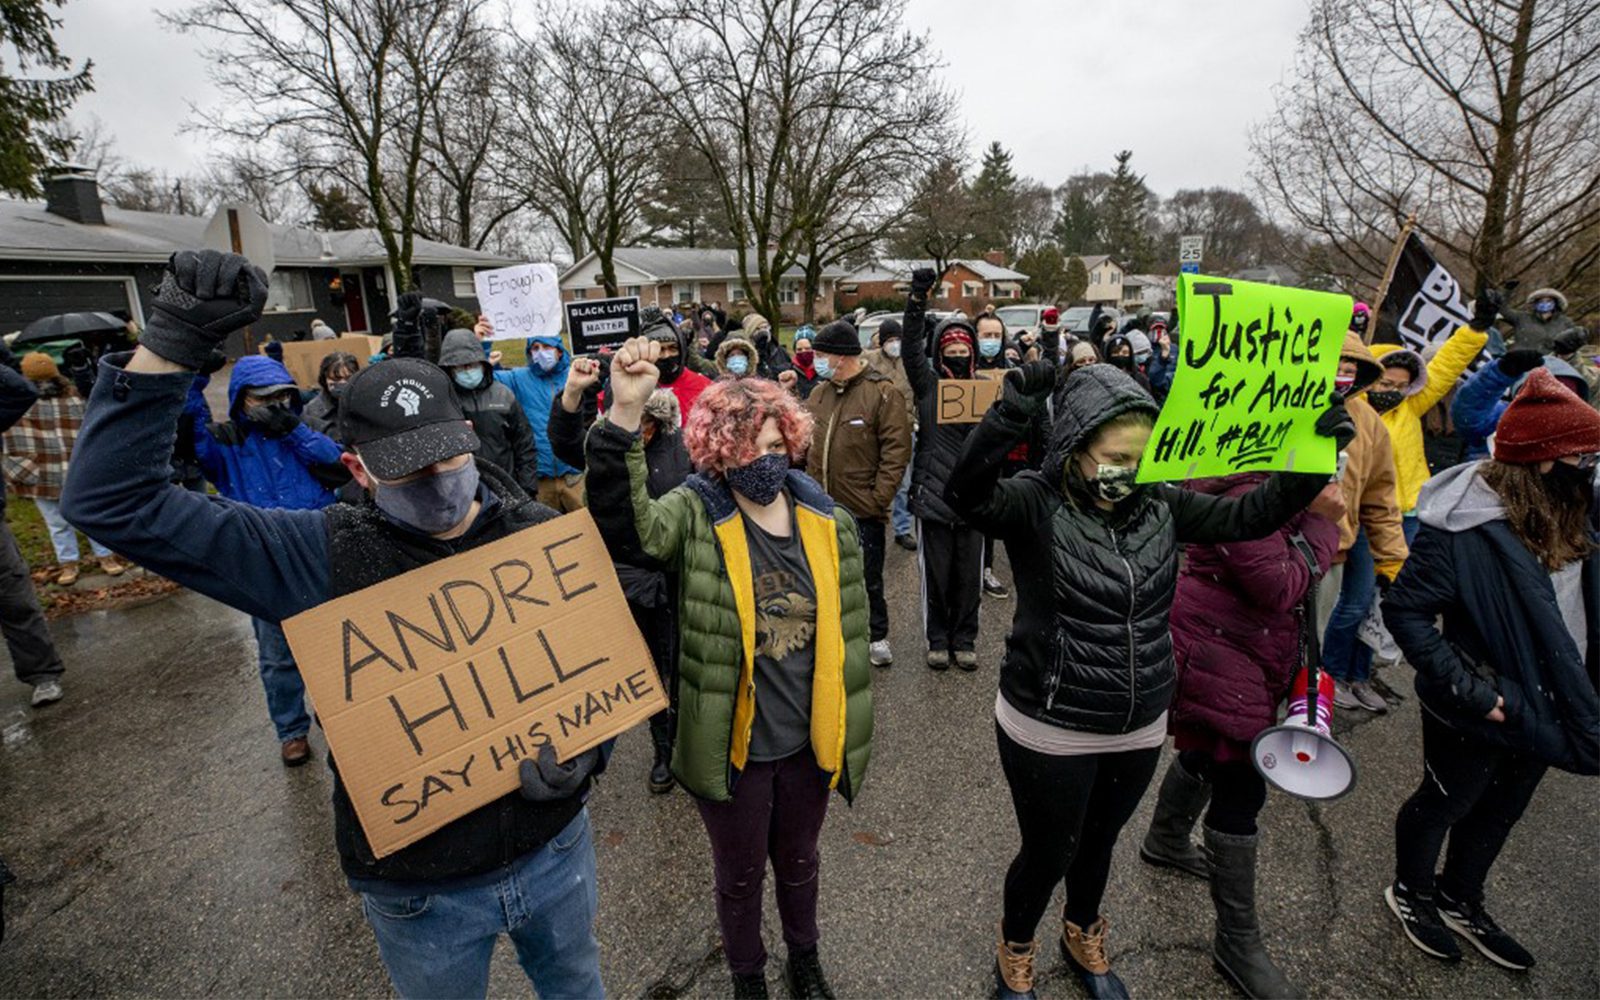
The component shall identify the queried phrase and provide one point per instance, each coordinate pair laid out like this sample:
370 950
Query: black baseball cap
401 415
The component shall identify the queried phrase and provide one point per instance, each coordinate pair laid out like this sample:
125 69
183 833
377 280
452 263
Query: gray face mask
1113 483
432 504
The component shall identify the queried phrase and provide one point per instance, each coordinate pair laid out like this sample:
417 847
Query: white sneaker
46 692
879 653
1343 697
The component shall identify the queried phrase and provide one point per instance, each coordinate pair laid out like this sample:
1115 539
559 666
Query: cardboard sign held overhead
1255 369
966 400
303 358
601 324
433 686
521 301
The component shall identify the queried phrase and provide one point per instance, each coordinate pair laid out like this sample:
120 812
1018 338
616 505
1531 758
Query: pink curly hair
722 426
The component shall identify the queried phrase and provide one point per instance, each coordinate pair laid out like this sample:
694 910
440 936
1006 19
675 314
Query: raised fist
204 295
922 279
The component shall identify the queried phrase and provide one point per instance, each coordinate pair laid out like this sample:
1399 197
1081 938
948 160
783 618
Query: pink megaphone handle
1297 701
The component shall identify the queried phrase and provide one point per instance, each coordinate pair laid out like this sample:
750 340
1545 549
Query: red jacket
1236 628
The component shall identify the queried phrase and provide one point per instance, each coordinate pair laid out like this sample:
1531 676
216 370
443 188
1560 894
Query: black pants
872 541
1237 792
1069 812
660 629
33 652
1472 790
952 584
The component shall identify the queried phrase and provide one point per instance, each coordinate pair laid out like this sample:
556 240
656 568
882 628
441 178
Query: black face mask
1123 361
1386 400
1572 479
669 369
958 367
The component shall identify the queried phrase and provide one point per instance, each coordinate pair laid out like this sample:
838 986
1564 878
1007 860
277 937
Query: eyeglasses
1588 461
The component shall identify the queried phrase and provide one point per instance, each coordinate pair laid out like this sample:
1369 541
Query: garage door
23 300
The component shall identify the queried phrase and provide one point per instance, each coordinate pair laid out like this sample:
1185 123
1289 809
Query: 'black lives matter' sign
602 324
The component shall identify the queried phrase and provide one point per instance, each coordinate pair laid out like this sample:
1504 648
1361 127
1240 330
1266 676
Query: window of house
1116 279
848 289
289 290
1003 290
683 294
631 290
579 294
971 289
945 288
1094 277
736 293
789 293
465 286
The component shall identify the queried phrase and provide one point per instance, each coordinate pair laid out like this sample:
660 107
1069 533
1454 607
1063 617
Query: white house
1105 279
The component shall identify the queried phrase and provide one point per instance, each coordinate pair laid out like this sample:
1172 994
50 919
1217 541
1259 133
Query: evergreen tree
1125 220
1078 222
333 208
29 107
1075 283
995 195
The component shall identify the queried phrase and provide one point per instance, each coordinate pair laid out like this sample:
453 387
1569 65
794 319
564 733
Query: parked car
1076 319
868 327
1021 319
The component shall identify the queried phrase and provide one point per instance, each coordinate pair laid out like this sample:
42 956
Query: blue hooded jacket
536 389
1482 399
246 465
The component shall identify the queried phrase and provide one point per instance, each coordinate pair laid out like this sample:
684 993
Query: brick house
968 285
75 254
668 276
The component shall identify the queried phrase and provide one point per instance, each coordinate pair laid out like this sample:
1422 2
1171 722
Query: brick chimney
996 257
71 192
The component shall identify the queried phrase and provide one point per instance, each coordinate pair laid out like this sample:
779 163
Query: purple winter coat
1236 628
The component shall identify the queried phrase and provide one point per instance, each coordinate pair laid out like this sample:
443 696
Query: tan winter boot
1084 949
68 575
1013 969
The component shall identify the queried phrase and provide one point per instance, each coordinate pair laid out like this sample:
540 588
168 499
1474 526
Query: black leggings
1069 812
1237 791
1471 789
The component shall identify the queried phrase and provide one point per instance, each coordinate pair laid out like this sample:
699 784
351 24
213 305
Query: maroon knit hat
1546 421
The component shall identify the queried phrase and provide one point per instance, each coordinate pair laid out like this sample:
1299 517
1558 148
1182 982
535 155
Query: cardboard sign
303 358
596 324
434 685
521 301
1254 372
966 400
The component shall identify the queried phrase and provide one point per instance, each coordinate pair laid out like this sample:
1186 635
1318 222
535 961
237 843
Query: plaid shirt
38 446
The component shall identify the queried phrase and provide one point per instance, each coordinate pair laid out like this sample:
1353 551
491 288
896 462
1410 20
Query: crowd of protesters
748 490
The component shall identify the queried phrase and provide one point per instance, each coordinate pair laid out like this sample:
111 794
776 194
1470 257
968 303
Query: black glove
1335 422
543 780
276 421
75 358
1384 583
1027 388
1570 342
1519 362
409 308
204 296
274 351
922 279
215 362
1486 308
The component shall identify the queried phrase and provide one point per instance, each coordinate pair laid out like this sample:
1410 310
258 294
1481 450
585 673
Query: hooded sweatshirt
535 389
1404 422
1484 397
244 463
1511 630
505 439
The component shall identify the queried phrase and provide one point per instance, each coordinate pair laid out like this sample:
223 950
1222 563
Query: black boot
1237 950
751 987
802 974
1168 843
661 780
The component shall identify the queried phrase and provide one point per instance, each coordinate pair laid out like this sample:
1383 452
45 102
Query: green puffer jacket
697 529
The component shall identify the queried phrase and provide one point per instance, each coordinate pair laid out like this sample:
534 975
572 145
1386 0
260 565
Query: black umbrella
69 325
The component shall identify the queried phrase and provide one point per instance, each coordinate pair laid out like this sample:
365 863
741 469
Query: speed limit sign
1189 252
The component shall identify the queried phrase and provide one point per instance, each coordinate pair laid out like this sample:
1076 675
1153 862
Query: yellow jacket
1405 421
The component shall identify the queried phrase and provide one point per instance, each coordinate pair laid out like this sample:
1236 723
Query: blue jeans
900 512
286 692
63 537
439 945
1344 656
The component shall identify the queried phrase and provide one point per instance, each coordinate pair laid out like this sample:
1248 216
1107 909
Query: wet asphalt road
162 850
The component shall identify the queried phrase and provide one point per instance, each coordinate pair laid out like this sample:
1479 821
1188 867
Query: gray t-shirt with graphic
786 641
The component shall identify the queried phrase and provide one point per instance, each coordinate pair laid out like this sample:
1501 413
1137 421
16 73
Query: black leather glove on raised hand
1336 423
1486 308
1569 343
275 421
1027 388
543 780
204 296
922 279
1519 362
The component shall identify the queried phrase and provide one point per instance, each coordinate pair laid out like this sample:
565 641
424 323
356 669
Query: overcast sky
1063 84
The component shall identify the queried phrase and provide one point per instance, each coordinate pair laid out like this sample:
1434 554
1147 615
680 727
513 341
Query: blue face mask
545 358
469 378
1142 359
823 366
1545 307
989 348
738 364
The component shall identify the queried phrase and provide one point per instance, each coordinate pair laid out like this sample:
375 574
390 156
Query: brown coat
894 371
1369 478
862 442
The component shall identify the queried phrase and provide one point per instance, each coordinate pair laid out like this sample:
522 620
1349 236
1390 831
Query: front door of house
355 310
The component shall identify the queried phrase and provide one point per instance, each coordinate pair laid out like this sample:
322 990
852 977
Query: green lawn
32 536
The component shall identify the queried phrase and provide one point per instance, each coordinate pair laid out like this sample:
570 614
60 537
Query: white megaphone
1301 756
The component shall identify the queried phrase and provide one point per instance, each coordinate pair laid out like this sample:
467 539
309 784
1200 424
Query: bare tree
589 156
348 89
1236 234
789 102
941 220
1481 116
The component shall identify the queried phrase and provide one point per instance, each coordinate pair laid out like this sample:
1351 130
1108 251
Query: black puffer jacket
937 444
505 438
1090 648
